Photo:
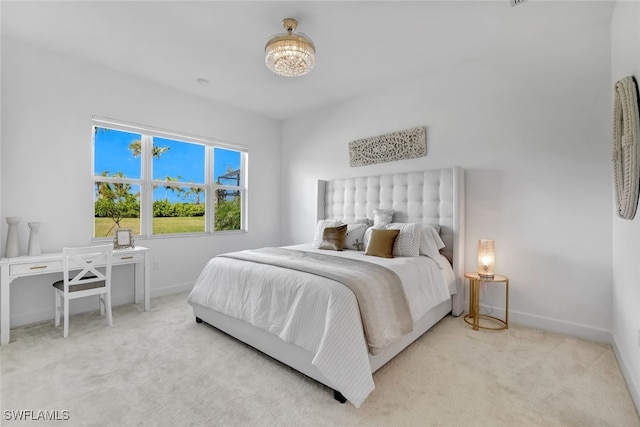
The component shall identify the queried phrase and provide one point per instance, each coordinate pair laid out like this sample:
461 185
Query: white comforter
315 313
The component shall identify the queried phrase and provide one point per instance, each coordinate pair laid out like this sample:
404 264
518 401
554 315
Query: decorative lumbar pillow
381 243
357 221
320 226
354 239
333 238
382 217
408 241
430 242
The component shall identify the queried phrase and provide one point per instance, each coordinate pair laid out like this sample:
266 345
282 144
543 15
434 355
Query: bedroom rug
160 368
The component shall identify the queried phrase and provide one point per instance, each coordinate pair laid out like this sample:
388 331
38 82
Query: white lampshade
486 258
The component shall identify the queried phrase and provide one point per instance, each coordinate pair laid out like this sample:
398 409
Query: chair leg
57 314
101 304
107 299
66 318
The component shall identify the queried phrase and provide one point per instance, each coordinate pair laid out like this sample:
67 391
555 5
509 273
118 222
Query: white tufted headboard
431 197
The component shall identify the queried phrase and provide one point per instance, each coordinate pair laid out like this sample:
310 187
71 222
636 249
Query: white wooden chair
86 272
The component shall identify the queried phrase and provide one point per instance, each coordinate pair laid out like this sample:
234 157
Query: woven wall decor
405 144
626 147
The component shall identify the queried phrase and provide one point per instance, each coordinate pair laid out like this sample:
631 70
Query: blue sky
183 162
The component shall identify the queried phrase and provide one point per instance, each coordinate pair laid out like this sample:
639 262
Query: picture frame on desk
123 239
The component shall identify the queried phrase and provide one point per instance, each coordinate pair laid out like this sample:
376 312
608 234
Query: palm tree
197 191
112 191
136 149
170 187
104 188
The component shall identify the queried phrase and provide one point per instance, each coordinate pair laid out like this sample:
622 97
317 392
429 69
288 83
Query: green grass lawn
193 224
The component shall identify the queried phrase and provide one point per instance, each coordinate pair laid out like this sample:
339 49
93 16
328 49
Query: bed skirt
299 358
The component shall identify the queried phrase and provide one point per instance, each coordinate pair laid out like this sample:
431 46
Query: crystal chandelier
290 55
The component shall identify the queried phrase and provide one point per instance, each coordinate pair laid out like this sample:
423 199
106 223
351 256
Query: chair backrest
86 265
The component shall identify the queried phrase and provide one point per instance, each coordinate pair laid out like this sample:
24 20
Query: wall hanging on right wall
405 144
626 153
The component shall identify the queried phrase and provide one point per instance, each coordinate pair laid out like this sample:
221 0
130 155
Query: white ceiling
361 45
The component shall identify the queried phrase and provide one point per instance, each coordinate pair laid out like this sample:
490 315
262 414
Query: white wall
533 136
625 42
47 104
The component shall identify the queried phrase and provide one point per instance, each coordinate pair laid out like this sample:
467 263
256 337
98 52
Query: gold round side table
473 317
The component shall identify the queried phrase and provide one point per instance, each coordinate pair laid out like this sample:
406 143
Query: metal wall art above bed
405 144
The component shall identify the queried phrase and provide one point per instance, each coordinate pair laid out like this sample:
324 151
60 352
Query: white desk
23 266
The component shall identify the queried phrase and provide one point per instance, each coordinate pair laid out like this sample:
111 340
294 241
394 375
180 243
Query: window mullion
117 180
209 212
146 196
243 192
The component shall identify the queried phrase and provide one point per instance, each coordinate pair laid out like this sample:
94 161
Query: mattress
315 313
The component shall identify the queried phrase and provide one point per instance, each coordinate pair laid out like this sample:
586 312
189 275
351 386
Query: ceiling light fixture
288 54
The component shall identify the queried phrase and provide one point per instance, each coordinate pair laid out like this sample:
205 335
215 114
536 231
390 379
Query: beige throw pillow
333 238
381 243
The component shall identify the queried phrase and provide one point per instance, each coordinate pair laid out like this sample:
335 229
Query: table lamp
486 258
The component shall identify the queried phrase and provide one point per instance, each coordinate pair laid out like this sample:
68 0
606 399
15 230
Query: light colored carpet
160 368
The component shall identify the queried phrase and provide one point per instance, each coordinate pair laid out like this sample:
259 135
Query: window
161 183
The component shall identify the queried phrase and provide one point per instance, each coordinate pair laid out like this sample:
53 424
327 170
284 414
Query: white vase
12 249
34 238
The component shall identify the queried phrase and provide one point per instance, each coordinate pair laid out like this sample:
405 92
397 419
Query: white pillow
382 216
355 236
430 242
408 241
320 226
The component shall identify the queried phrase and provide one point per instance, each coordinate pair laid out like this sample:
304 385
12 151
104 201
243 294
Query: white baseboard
575 329
22 319
553 325
634 389
172 290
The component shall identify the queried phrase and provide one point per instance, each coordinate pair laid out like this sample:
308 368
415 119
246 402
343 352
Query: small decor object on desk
486 258
12 249
123 239
34 238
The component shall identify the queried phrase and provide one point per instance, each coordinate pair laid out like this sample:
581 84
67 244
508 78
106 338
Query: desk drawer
127 258
55 265
35 268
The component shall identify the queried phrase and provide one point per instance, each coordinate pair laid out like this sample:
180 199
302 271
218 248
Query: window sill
177 235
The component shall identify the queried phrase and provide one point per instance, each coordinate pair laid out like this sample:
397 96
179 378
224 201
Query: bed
319 324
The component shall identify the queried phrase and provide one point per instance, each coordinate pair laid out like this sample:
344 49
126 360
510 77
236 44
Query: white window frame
147 183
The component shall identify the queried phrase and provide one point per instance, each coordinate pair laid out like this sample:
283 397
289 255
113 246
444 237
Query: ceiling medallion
288 54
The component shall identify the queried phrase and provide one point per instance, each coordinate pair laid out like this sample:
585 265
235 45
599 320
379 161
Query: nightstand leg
476 305
471 313
506 306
